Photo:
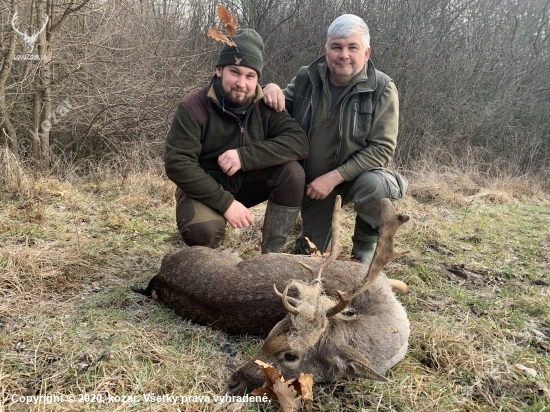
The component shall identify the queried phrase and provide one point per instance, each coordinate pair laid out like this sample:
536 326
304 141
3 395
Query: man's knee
207 234
380 183
371 187
198 224
289 181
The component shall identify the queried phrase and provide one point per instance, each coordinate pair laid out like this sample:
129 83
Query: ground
70 326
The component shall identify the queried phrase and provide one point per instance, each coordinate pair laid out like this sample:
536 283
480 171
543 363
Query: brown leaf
271 373
264 392
217 35
306 386
229 20
286 396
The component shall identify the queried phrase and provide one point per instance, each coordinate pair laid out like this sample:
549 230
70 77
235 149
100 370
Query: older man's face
345 58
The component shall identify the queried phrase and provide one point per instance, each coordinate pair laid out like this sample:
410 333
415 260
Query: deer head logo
30 40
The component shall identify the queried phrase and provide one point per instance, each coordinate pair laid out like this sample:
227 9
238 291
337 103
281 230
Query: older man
350 112
227 151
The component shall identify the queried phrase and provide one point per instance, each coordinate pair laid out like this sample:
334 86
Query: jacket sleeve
382 138
181 160
285 141
289 95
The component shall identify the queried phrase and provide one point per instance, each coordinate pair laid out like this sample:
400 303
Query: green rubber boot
278 222
364 241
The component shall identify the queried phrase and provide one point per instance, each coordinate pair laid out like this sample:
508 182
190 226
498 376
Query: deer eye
290 357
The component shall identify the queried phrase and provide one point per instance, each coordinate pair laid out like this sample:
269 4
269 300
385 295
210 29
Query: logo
30 40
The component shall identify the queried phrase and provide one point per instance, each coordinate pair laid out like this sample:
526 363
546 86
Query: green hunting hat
247 53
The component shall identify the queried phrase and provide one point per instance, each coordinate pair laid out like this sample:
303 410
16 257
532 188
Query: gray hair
347 25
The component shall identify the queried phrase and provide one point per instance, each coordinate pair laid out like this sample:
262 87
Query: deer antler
335 251
285 299
15 28
384 254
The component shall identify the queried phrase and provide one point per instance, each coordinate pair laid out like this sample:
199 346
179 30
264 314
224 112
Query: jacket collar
364 81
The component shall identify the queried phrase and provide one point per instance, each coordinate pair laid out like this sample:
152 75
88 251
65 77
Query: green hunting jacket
202 130
359 133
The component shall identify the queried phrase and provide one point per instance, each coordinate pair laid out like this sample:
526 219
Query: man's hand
323 185
238 216
274 97
230 162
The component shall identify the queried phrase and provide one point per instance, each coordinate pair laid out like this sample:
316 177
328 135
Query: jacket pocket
361 120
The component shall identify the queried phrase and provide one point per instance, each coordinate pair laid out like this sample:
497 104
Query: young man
350 111
227 151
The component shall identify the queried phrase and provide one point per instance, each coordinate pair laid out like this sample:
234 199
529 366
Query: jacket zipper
232 179
340 126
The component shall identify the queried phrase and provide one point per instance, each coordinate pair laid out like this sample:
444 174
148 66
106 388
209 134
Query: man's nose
344 54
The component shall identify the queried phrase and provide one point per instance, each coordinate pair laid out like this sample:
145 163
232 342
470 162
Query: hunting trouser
365 192
201 225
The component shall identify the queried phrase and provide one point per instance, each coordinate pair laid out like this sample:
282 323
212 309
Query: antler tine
336 246
289 298
13 19
384 254
284 298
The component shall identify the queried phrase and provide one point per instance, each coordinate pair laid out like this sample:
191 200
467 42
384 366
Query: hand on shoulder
274 97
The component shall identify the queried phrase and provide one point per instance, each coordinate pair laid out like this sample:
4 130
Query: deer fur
218 289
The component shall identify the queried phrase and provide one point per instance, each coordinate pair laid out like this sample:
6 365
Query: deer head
30 40
357 335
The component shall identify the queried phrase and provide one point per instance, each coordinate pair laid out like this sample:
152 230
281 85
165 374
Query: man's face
345 58
238 84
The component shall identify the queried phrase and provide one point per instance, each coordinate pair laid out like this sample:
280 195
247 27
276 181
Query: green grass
479 304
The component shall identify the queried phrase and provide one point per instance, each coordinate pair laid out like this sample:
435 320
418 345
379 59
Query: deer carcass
362 333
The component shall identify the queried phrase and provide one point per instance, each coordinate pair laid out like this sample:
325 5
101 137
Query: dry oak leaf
217 35
304 386
286 392
229 20
271 373
286 395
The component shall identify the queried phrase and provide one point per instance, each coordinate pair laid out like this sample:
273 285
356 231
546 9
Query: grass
479 303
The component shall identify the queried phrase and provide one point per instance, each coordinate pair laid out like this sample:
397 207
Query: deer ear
355 360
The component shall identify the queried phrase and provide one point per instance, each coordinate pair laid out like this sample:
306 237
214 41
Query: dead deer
361 334
217 288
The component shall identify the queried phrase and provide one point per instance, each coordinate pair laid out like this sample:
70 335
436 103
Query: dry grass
70 249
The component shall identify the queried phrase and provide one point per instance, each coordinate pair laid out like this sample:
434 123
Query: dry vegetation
69 324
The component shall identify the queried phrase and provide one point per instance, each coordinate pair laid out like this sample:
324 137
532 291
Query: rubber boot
278 222
364 241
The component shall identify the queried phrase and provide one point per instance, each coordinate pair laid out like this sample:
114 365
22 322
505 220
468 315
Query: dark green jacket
201 131
367 113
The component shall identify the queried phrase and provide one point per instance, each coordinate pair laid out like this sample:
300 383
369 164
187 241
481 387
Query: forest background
104 77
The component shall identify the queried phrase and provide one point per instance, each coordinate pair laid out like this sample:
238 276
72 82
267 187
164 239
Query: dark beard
235 103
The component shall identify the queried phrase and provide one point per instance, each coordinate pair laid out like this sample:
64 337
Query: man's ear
357 362
219 71
367 53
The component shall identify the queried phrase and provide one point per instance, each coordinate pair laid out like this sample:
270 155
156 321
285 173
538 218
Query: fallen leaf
305 382
263 391
289 392
286 395
270 372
